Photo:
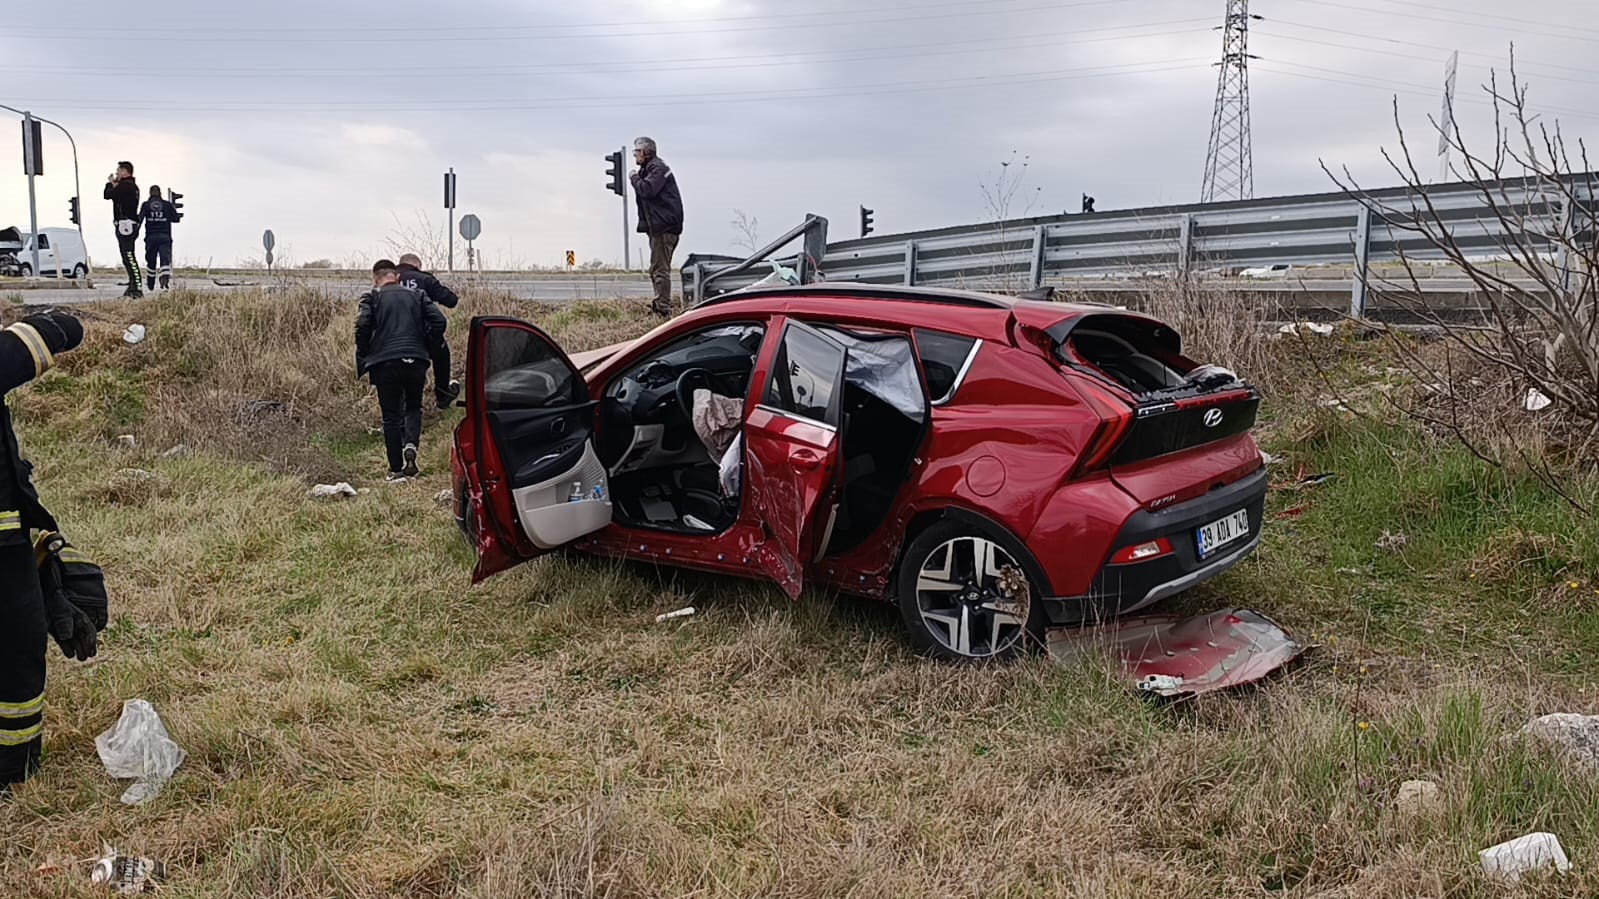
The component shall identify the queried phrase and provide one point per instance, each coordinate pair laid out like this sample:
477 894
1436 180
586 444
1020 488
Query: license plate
1218 534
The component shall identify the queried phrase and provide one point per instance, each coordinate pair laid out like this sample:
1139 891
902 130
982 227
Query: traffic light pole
627 233
77 188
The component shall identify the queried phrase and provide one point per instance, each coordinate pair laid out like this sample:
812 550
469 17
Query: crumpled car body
995 466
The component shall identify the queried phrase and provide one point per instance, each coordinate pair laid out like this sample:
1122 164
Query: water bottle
577 492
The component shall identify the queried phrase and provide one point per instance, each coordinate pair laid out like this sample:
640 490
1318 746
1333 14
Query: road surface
553 290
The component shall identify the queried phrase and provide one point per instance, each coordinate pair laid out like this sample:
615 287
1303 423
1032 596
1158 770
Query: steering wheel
690 380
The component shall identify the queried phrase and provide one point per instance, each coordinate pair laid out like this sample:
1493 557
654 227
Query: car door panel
526 441
791 451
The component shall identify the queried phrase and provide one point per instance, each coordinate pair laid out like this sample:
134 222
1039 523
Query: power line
361 31
1518 20
715 63
1438 47
1420 58
1403 87
653 101
500 33
1320 4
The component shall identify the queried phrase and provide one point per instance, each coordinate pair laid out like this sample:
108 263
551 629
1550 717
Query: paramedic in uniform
158 217
27 349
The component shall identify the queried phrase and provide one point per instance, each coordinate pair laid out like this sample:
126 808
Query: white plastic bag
780 276
138 746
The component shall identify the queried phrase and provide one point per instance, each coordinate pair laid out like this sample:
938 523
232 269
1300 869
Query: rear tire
79 272
26 271
957 586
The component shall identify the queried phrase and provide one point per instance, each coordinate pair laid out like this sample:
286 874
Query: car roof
854 291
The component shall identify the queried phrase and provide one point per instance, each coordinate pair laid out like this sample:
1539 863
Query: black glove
71 628
60 330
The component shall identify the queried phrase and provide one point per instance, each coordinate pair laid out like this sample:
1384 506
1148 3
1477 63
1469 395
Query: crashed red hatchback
992 465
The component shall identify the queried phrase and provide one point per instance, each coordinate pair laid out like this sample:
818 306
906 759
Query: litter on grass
138 746
679 613
1171 656
134 335
328 491
1536 401
126 875
1533 852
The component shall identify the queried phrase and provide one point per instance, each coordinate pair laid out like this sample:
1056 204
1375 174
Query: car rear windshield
1139 354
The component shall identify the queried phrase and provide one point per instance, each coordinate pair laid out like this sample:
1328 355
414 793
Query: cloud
331 120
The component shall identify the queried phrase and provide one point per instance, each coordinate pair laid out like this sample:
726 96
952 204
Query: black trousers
441 367
128 247
400 386
22 647
158 257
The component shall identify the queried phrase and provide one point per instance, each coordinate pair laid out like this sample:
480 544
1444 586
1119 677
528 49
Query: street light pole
77 187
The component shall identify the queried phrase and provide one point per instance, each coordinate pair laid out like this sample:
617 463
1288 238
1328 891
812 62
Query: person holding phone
123 192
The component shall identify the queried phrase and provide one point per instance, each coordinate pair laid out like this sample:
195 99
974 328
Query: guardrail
1307 230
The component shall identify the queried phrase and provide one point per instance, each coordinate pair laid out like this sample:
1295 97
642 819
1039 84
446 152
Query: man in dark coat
660 216
123 192
397 330
158 216
445 390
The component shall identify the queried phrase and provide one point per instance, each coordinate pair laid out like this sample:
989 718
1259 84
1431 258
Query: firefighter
445 388
123 192
158 217
27 349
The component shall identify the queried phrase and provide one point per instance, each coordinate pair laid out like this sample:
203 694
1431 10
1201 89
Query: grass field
361 722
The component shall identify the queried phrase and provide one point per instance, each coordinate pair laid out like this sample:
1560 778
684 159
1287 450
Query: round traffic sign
470 227
268 241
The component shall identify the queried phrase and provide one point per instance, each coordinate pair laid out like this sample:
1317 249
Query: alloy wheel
966 593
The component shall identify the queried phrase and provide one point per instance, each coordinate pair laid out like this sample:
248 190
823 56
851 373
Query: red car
992 465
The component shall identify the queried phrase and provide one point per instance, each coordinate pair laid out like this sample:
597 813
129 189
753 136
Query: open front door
532 480
792 450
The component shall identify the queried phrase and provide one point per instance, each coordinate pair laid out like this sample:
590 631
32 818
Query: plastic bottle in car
577 492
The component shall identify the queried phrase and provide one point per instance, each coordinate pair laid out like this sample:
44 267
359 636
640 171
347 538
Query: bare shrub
1521 387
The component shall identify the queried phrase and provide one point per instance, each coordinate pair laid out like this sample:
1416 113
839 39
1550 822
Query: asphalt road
563 290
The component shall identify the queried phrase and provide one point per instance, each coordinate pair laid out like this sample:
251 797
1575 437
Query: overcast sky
332 122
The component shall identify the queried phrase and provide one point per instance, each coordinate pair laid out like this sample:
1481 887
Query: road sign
268 241
471 227
449 189
32 146
571 258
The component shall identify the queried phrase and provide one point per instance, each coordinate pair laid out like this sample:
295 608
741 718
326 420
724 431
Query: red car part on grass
992 465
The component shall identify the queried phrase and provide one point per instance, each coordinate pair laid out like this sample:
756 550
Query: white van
60 250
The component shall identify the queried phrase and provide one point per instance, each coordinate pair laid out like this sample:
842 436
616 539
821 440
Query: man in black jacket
445 389
158 216
123 193
397 330
27 349
660 215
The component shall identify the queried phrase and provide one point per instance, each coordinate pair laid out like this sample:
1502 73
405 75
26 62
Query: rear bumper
1119 589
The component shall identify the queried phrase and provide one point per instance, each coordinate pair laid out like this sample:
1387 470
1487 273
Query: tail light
1115 418
1143 552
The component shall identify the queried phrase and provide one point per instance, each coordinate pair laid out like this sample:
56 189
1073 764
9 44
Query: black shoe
396 477
447 395
133 293
409 455
660 310
166 282
149 283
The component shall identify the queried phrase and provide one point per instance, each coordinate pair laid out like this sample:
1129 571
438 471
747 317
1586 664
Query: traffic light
72 211
866 220
175 198
1088 203
615 173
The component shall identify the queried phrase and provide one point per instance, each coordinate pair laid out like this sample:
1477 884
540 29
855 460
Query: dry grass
360 723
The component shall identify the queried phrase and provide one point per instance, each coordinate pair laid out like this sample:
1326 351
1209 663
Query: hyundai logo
1212 418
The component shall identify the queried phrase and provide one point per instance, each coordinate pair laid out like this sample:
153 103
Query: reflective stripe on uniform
72 556
18 737
30 337
22 709
10 521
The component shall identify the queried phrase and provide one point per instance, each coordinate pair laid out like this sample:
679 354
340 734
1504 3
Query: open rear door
792 450
533 482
